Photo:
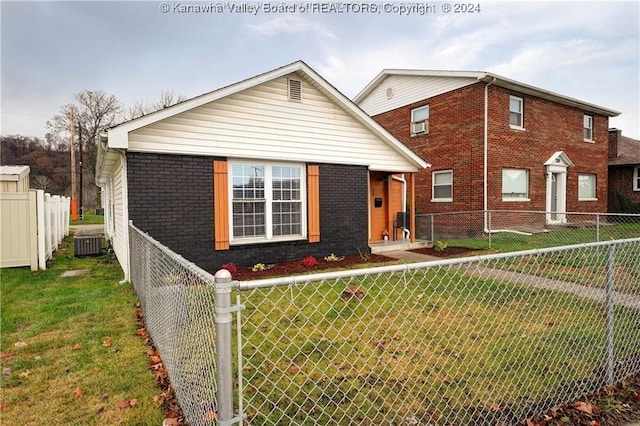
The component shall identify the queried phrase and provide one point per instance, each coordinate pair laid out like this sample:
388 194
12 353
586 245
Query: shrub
231 267
258 267
333 258
439 245
309 262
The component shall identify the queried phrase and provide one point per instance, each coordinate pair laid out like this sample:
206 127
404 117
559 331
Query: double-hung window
636 178
267 202
587 124
515 185
516 112
442 186
420 120
586 186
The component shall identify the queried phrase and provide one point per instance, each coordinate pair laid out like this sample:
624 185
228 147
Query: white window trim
636 178
433 185
517 199
268 195
595 189
590 128
521 125
425 121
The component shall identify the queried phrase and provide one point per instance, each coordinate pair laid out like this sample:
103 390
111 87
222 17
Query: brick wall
171 198
456 141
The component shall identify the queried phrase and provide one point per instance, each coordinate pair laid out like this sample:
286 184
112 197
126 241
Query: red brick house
494 143
624 173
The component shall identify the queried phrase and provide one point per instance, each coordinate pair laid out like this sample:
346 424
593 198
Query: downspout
486 154
125 215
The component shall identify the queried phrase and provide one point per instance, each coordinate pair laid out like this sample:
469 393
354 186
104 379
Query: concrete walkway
480 271
86 229
409 256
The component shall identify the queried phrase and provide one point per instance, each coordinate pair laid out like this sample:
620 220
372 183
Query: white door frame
556 178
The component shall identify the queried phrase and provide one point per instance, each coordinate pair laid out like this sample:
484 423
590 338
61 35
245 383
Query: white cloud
292 24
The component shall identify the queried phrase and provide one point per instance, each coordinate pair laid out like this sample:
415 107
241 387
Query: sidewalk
86 229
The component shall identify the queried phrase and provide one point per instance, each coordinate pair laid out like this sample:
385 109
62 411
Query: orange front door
378 202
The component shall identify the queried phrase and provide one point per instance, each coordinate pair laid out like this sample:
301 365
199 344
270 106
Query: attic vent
295 90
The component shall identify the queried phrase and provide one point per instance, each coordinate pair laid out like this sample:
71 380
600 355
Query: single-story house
276 167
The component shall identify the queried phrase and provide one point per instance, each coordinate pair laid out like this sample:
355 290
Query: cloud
291 24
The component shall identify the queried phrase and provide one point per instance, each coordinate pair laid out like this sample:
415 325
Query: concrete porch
391 245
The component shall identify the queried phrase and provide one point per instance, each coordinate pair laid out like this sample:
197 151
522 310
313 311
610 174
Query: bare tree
94 111
41 182
167 99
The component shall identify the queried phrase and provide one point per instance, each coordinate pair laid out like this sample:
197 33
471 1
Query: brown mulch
448 252
296 267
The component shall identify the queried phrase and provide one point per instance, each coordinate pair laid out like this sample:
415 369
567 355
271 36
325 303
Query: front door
378 205
556 176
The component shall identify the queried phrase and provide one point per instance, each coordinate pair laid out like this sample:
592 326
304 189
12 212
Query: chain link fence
504 231
177 301
485 340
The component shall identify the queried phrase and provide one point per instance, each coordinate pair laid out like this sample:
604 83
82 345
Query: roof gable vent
295 90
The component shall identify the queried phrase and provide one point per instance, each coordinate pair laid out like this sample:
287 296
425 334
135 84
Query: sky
134 50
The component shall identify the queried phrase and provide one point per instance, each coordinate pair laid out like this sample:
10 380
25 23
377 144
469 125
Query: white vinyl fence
32 224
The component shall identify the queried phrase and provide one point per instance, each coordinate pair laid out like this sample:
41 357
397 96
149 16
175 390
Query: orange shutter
313 205
221 205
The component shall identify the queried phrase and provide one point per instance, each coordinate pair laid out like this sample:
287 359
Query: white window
515 185
636 178
515 112
442 186
586 187
588 128
267 202
420 120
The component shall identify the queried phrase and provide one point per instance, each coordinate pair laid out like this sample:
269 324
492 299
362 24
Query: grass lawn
429 347
89 219
560 236
70 354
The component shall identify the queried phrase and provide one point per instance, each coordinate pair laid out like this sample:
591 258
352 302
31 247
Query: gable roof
117 137
628 152
486 77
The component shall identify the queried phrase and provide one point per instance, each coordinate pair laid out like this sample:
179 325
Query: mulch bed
296 267
448 252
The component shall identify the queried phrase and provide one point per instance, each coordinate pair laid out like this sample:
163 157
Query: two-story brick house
494 143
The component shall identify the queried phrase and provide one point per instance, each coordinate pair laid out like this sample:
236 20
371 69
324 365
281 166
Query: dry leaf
172 422
123 404
155 359
78 392
210 415
3 406
100 409
6 371
420 296
24 374
107 342
20 344
585 407
77 346
133 402
105 396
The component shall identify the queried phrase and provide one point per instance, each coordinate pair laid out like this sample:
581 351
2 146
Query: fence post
597 228
433 237
224 365
610 312
489 227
